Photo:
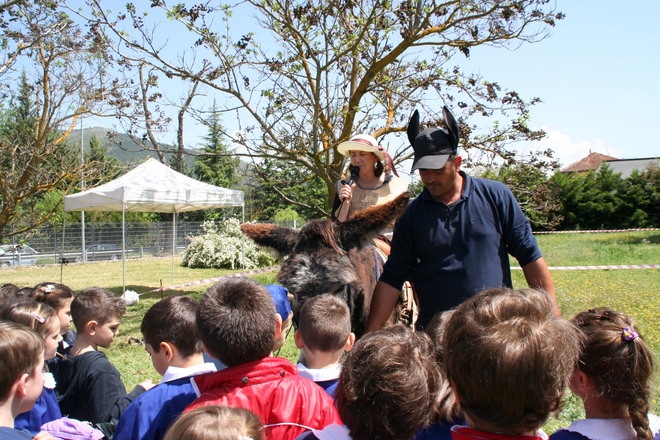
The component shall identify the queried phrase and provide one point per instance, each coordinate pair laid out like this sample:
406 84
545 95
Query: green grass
634 292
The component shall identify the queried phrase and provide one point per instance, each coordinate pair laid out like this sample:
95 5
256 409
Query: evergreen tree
217 165
603 199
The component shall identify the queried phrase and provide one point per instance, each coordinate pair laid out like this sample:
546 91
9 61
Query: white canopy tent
153 187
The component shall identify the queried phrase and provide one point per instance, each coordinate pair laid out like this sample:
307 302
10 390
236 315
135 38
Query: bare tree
53 74
303 76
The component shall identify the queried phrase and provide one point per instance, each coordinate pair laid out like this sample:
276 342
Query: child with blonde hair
42 319
612 379
215 422
21 381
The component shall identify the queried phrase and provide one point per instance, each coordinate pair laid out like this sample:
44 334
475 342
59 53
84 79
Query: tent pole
173 243
244 238
62 249
123 246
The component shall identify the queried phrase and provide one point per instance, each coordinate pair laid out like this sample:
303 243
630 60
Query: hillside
126 151
122 146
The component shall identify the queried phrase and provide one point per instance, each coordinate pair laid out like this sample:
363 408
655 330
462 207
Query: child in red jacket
238 325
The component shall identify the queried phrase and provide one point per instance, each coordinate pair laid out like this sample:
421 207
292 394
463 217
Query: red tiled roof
591 162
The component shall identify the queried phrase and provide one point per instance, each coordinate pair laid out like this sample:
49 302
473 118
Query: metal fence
102 241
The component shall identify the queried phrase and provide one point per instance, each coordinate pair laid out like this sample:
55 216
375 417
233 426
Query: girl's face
53 338
64 314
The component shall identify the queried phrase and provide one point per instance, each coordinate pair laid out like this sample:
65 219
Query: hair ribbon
629 334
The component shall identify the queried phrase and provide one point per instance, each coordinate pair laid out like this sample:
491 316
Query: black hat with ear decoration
433 146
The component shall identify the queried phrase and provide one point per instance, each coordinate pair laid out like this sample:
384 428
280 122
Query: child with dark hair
42 319
8 290
21 381
387 387
90 386
323 336
10 294
238 325
508 359
213 422
172 340
280 297
612 379
59 297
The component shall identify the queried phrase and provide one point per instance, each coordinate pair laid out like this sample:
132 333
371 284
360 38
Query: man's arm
538 276
382 304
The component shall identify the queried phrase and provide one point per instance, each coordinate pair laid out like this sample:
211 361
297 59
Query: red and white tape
595 231
272 268
603 267
215 279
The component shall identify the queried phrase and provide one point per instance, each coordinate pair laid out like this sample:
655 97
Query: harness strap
378 255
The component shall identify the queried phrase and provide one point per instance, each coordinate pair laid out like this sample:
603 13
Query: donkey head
329 257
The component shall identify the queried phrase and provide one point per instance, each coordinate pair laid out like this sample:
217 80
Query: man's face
440 182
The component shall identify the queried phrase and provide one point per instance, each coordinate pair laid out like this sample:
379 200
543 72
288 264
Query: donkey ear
357 231
452 125
281 240
413 127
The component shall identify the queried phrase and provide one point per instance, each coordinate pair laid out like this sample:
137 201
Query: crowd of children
494 368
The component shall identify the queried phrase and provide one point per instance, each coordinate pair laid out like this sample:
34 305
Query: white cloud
568 150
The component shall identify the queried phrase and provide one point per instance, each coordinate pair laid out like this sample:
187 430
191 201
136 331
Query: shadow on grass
652 239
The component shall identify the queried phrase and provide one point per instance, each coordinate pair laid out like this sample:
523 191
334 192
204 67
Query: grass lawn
635 292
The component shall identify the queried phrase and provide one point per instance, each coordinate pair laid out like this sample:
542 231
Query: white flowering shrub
224 246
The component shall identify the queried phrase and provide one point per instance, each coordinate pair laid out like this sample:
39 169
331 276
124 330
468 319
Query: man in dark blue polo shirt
455 238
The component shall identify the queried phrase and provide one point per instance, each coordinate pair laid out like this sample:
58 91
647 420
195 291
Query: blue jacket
152 412
450 253
45 409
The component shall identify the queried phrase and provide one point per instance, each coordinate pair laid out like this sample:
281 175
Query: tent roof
153 187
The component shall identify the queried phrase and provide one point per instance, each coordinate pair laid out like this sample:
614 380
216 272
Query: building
623 166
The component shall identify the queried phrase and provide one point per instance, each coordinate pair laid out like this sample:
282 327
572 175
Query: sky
598 76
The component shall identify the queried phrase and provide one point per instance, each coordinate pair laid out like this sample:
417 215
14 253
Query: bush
224 246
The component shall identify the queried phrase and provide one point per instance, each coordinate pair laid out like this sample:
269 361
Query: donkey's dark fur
329 257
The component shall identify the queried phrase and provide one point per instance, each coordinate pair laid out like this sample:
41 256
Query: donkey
330 257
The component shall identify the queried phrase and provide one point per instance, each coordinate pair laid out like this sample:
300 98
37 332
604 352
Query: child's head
446 408
237 321
8 290
324 325
21 360
214 422
283 308
96 312
509 359
618 362
171 322
10 294
40 318
388 384
59 297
